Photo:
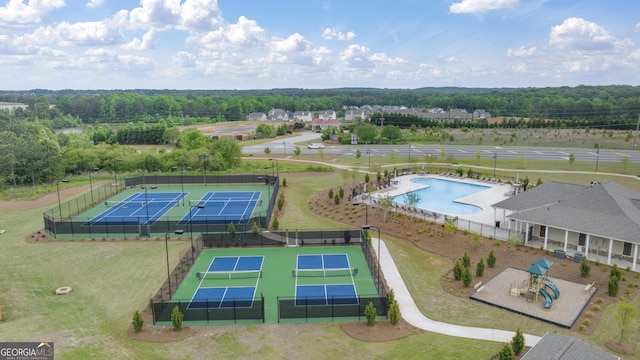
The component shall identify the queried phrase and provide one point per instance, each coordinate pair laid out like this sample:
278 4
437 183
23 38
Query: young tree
267 150
370 314
176 318
231 229
517 342
297 151
480 268
572 159
137 322
585 268
275 224
457 270
386 203
466 277
466 261
476 240
625 315
506 353
491 260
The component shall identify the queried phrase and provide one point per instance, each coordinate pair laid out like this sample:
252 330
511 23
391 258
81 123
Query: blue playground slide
553 288
548 301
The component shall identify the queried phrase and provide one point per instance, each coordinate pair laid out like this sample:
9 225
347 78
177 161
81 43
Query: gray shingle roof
561 347
608 210
541 195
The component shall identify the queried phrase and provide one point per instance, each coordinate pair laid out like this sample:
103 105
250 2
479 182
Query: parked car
316 146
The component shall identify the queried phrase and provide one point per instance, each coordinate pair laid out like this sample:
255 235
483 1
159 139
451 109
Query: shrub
465 232
450 226
582 327
394 308
615 272
275 223
370 314
330 193
589 314
284 182
341 192
137 322
506 353
480 268
457 270
585 268
409 233
599 300
586 322
466 261
517 342
466 277
255 229
497 243
476 240
176 318
231 229
595 307
336 199
491 260
614 286
280 201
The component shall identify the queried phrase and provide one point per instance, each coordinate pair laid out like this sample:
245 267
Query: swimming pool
441 195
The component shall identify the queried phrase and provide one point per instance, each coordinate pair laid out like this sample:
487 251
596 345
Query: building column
526 234
586 247
566 240
609 251
635 256
546 236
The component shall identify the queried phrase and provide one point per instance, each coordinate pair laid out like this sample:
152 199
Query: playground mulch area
563 312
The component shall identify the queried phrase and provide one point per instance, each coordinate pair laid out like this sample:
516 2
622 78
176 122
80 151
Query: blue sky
261 44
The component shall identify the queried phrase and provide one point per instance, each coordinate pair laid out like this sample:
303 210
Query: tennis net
139 204
218 203
243 274
324 272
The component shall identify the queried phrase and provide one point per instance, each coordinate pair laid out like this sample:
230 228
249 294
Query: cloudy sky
263 44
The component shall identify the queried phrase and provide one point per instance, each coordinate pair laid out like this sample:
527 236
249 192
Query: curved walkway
412 315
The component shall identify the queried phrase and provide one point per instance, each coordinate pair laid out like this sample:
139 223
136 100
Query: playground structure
537 284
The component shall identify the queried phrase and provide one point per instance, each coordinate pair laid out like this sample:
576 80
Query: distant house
278 115
601 219
303 116
322 124
354 115
257 116
481 114
326 114
562 347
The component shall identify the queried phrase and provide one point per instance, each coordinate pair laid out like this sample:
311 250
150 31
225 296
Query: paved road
284 147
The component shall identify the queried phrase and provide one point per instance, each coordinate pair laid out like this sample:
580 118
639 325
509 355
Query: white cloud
481 6
579 34
246 33
521 52
383 59
17 14
333 34
88 33
294 42
200 15
638 26
356 56
147 42
94 4
160 14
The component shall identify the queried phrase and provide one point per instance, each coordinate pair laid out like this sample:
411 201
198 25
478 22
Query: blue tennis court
222 207
236 263
227 296
139 208
326 294
323 261
222 297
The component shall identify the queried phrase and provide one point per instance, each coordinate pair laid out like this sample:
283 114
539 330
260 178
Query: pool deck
483 199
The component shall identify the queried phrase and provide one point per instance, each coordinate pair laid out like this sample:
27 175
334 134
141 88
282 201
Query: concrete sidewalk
412 315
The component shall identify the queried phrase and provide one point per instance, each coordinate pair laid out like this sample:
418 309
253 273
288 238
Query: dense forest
92 107
32 152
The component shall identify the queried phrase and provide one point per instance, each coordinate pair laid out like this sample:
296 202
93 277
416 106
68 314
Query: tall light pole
367 227
204 165
166 250
59 204
277 167
181 181
146 204
366 211
115 172
285 148
597 157
495 161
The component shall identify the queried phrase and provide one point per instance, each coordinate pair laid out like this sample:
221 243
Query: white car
316 146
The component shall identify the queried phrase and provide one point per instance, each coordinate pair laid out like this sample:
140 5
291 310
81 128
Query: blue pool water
441 196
